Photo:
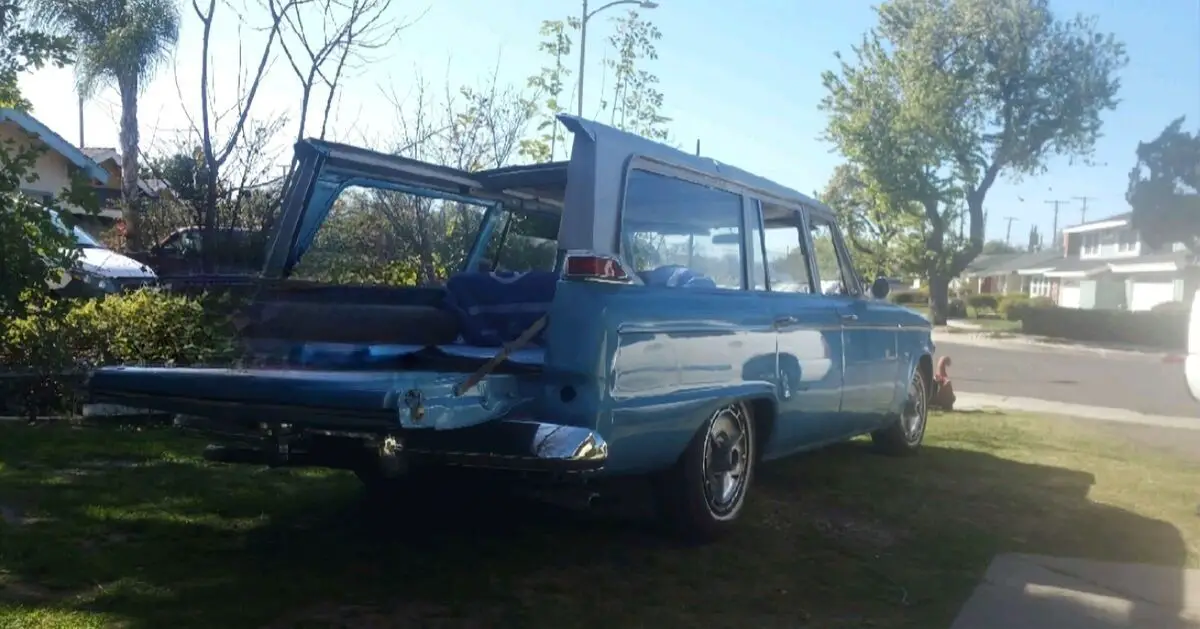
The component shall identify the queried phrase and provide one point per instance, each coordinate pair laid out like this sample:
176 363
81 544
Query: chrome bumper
520 445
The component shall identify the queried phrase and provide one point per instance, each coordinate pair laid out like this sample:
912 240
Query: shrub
982 301
51 348
910 297
1014 307
1010 307
956 309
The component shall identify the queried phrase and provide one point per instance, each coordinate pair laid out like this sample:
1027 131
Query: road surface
1137 382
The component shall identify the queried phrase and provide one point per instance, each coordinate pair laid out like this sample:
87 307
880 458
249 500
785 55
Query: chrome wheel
728 455
912 420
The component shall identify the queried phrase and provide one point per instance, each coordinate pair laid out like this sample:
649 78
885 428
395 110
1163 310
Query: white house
1108 265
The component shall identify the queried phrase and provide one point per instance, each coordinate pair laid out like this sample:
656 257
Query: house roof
986 264
102 154
1072 267
1154 263
1116 220
1031 260
55 141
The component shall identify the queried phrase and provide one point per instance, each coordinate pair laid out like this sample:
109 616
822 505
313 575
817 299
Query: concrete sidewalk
1039 592
981 402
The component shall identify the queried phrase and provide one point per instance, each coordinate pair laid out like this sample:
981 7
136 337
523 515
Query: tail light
587 266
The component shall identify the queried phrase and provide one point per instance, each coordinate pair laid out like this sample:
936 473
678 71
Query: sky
743 78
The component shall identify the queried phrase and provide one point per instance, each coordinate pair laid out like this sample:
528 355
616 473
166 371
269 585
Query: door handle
849 316
783 322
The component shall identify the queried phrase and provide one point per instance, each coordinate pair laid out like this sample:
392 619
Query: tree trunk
939 298
131 212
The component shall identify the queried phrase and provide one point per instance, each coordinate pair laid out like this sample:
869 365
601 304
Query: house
110 191
57 165
1011 273
1101 264
1108 265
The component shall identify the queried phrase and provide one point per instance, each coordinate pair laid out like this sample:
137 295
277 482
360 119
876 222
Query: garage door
1147 295
1068 295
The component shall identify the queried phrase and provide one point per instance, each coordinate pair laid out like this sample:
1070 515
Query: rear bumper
296 436
514 445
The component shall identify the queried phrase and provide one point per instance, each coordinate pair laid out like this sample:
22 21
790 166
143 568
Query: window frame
854 287
665 169
799 222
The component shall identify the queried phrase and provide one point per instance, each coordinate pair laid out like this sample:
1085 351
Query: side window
835 278
779 255
680 234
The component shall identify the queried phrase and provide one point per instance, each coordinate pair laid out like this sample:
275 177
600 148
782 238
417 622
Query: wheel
904 435
702 495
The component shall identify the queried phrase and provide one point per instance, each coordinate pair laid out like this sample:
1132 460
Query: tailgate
379 399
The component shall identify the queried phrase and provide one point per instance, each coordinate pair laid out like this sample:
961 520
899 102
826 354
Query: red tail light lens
595 268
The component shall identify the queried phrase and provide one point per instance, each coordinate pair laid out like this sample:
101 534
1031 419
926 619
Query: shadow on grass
131 528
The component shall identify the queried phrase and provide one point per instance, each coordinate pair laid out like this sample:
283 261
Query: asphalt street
1137 382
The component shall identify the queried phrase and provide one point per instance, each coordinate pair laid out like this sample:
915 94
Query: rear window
668 223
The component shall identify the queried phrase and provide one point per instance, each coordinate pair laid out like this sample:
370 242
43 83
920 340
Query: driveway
1136 382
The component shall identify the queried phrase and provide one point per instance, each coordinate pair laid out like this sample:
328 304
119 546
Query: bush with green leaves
982 301
1014 307
918 297
53 345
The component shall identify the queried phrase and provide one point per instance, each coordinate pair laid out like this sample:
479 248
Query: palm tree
118 43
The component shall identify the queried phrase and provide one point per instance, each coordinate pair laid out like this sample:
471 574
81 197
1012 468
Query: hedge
1165 329
43 354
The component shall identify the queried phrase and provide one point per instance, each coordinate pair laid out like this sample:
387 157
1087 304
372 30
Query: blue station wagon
634 311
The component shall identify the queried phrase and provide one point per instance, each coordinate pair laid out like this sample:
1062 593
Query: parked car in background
649 338
236 251
98 270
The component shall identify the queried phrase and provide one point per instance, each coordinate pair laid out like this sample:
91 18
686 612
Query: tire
696 510
903 436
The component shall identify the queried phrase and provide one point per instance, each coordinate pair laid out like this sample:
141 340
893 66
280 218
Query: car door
869 338
807 326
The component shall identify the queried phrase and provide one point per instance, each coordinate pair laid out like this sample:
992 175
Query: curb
981 401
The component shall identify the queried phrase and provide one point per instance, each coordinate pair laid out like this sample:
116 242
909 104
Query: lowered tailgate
366 399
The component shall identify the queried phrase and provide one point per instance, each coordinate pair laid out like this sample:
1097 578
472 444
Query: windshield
82 239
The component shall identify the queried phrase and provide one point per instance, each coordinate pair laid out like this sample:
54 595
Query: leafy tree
635 104
944 96
1164 188
878 233
122 43
550 83
997 247
34 249
23 49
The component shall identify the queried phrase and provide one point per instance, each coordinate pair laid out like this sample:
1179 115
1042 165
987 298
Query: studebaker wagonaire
621 313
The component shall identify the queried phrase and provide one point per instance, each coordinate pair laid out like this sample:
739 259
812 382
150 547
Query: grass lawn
130 529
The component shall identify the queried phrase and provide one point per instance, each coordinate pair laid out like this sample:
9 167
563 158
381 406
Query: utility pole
1054 229
697 147
81 144
1083 209
1008 230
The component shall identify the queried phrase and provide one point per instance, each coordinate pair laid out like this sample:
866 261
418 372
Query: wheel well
762 411
926 367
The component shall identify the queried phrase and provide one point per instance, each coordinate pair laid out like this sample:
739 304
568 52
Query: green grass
130 529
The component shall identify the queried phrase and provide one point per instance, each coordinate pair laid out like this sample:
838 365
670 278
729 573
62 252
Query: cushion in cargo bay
495 308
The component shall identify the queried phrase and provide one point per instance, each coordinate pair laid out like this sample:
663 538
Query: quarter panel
652 363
